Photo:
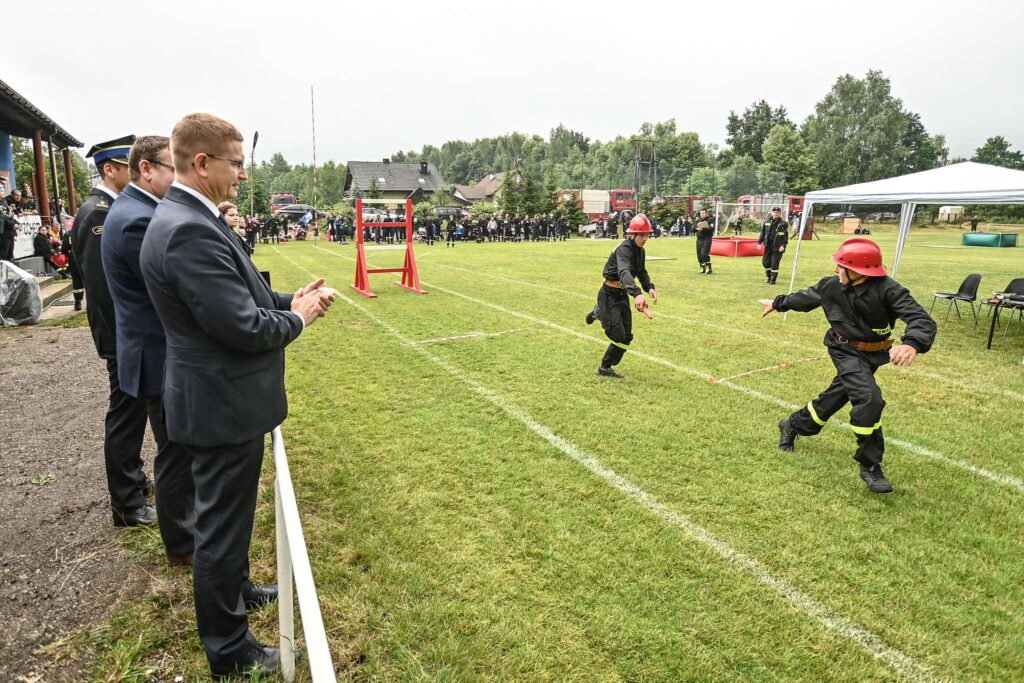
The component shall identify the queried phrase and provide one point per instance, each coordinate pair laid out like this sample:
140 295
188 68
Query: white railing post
285 601
293 564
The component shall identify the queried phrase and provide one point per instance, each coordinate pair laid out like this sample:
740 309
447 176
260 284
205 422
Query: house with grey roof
397 181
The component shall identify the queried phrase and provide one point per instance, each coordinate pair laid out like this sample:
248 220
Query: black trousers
226 481
771 259
616 317
175 494
703 250
854 383
125 427
7 246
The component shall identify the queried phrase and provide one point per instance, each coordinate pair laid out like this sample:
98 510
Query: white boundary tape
1009 481
836 623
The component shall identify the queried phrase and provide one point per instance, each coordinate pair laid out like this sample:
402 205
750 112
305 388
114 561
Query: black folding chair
968 293
1016 286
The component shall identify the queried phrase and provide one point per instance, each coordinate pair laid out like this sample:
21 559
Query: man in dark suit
140 336
125 423
224 375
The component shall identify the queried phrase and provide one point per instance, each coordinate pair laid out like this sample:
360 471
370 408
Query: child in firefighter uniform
862 305
774 237
625 265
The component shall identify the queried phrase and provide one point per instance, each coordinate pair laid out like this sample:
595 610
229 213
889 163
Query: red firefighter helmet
861 256
640 225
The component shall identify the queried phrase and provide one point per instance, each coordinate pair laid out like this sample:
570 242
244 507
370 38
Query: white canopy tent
964 183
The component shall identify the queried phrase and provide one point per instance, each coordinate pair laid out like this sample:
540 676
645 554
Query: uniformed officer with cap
774 237
126 415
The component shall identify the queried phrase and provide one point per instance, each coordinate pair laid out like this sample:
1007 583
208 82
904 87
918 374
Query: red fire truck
280 200
599 204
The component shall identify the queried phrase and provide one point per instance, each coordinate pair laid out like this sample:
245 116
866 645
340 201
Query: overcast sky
398 75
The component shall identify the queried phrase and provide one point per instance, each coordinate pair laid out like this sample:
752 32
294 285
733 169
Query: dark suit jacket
140 336
85 241
226 329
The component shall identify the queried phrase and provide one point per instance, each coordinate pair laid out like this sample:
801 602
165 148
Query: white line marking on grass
779 366
967 466
825 616
1006 480
472 335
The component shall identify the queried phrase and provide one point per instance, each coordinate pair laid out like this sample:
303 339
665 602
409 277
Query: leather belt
863 345
613 283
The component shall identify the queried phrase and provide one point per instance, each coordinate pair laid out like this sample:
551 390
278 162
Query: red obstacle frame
410 274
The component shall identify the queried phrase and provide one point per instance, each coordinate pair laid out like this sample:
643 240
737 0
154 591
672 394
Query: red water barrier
736 246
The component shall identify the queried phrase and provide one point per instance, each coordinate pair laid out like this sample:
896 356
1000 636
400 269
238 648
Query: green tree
703 181
572 212
530 198
549 197
511 193
997 151
861 132
786 153
747 132
373 192
253 194
483 209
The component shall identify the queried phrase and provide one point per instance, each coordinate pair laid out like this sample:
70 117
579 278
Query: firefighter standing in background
705 231
862 305
625 265
774 237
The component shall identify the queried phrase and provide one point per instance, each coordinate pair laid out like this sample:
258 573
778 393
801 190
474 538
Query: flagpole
312 113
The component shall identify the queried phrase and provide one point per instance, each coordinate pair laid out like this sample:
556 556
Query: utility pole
312 111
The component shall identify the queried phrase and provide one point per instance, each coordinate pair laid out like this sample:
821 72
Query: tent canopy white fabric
964 183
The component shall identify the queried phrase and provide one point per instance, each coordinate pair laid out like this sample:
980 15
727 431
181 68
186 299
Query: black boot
709 269
607 371
767 277
787 436
774 278
592 316
875 479
703 268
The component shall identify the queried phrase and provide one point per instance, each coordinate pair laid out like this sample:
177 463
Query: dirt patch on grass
61 566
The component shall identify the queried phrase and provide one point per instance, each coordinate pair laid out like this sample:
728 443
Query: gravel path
61 568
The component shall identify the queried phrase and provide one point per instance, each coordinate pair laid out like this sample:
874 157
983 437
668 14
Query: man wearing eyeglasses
125 422
223 386
141 342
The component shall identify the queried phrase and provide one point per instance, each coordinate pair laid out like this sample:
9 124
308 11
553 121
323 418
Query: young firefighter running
625 265
862 305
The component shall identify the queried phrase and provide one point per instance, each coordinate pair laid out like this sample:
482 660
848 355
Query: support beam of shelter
69 175
42 196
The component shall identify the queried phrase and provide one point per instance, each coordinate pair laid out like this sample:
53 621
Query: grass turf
451 541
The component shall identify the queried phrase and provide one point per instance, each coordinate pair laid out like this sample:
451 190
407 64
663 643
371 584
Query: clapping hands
313 300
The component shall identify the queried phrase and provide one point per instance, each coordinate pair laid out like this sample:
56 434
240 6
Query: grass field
487 508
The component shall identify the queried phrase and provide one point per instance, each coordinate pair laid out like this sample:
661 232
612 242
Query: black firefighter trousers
703 250
616 315
771 259
854 383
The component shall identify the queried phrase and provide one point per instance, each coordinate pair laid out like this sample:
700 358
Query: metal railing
293 562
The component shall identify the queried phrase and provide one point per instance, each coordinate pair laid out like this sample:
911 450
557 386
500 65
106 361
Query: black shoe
264 661
787 436
875 479
592 316
78 305
710 272
602 371
259 596
143 516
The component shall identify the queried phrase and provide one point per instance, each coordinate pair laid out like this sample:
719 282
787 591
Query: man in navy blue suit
140 336
223 385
